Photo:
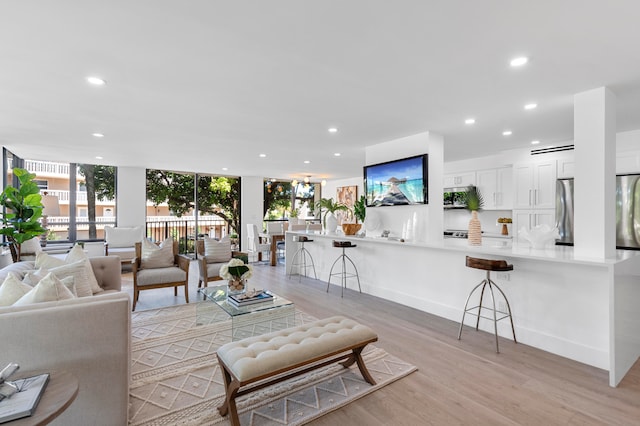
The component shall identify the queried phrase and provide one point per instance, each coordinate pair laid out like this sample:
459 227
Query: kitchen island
580 308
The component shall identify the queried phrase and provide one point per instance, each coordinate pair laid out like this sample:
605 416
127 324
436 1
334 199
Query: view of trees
216 195
280 196
100 182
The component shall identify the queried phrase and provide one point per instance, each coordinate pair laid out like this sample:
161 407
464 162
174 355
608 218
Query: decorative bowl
351 228
539 236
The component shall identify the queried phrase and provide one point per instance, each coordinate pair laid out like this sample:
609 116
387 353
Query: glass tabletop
218 294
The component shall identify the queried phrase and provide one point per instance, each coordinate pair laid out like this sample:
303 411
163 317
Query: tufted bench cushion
258 358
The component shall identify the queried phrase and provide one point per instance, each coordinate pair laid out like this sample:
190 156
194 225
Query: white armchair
255 246
121 242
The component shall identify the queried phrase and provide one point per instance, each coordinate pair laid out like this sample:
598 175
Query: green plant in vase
23 210
329 206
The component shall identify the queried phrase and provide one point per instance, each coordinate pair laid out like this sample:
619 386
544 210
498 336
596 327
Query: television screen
398 182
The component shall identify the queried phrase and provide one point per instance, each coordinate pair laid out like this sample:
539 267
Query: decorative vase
237 286
332 224
475 230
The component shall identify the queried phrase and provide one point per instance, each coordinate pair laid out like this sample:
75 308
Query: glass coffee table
246 321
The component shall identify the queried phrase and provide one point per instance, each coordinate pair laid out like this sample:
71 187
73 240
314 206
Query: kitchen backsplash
459 219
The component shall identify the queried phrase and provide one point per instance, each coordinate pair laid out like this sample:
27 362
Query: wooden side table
60 392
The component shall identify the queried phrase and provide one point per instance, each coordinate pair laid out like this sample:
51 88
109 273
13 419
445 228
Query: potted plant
330 206
23 209
474 202
237 273
359 212
293 216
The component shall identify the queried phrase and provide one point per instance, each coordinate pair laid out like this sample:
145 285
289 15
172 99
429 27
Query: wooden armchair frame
202 264
180 261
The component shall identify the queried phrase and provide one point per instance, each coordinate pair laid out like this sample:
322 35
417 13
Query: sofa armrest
107 270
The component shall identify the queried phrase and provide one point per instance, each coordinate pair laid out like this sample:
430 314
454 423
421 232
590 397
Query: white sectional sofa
87 336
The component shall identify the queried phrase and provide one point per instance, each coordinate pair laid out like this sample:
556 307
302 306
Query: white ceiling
200 85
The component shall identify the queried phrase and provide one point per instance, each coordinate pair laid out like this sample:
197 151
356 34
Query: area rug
176 379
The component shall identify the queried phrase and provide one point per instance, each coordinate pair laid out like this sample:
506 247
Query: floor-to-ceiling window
79 199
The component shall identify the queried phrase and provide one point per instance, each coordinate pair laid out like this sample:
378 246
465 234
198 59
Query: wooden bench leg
231 389
357 358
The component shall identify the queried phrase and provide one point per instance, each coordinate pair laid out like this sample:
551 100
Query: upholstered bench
274 357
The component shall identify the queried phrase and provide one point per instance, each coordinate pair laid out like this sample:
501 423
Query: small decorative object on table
504 221
474 202
250 297
19 398
237 273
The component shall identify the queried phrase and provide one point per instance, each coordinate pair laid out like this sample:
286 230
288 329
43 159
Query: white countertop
551 253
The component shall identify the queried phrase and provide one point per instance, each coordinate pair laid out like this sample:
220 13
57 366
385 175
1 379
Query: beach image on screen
396 183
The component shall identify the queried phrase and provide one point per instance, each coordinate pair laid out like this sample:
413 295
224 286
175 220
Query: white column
131 193
595 159
251 205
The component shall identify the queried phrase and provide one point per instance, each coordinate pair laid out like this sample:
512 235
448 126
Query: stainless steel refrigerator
627 211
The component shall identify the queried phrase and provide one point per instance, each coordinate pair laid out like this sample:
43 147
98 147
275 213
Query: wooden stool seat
488 265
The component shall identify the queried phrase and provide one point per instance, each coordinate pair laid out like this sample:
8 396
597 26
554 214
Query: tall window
78 199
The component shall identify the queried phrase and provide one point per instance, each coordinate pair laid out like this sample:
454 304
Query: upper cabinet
453 180
534 185
496 187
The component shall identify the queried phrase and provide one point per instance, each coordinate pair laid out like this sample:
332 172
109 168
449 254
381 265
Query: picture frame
346 195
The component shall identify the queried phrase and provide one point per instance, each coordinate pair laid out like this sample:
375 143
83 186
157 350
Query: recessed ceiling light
530 106
469 121
97 135
307 161
535 142
332 130
225 169
507 133
324 182
337 154
96 80
518 62
262 155
98 158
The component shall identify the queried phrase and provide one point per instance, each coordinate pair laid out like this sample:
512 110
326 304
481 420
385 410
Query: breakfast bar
580 308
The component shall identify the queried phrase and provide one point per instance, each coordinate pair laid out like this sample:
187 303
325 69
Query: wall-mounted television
397 182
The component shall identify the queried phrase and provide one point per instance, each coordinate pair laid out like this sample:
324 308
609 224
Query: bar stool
342 260
488 265
299 259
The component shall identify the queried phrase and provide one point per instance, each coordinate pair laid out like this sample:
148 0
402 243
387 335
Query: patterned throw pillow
154 256
217 251
77 254
12 289
49 289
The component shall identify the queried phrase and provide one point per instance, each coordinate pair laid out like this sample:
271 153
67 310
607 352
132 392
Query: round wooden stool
342 261
299 260
488 265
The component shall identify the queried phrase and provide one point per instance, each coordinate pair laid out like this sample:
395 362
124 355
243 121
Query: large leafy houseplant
329 206
360 208
22 212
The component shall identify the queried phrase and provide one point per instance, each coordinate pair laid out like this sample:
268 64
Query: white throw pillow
154 256
49 289
79 272
31 246
46 261
32 279
77 254
217 251
12 289
122 236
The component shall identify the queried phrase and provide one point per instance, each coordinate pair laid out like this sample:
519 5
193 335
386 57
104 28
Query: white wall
131 196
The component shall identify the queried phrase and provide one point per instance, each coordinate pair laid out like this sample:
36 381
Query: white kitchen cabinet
530 219
628 162
453 180
496 187
534 185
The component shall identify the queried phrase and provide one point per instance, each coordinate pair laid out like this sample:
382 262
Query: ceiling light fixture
332 130
294 182
530 106
306 179
337 154
307 161
98 157
97 135
518 62
262 155
535 142
97 81
469 121
324 182
507 133
225 169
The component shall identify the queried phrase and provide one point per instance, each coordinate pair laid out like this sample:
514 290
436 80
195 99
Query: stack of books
240 300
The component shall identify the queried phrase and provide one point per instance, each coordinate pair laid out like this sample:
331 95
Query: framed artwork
346 195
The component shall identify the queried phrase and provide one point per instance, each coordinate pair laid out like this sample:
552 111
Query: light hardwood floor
458 382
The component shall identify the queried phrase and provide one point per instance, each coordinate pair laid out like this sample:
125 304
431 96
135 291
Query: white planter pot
332 224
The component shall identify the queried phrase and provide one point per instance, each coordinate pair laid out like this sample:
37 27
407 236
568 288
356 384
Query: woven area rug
176 379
